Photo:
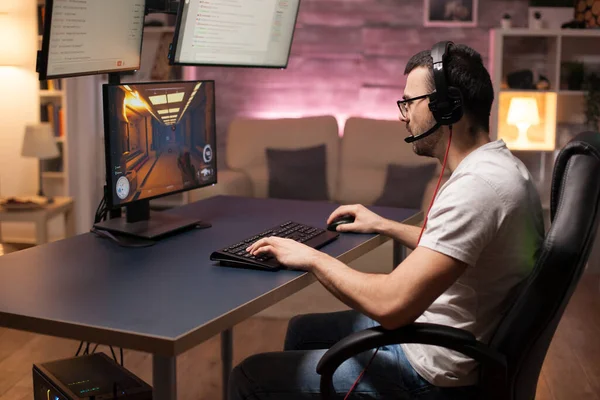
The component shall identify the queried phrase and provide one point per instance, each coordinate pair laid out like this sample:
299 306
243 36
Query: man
481 240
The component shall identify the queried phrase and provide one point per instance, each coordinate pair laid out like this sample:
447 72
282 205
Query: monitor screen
252 33
91 37
160 139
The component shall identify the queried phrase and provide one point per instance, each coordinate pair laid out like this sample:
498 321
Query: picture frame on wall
450 13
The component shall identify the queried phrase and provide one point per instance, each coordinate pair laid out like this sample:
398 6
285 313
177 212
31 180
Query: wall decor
450 13
588 11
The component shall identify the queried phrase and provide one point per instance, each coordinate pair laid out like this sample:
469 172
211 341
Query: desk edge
92 334
202 333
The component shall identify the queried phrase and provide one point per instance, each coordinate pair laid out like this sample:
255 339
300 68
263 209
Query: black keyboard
236 255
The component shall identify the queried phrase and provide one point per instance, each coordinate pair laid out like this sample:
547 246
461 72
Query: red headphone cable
437 186
420 234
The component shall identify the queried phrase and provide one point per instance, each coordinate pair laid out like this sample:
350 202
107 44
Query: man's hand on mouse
287 251
365 220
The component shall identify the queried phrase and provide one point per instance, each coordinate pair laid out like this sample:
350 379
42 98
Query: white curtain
85 148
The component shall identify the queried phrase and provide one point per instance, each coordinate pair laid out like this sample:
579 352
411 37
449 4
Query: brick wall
347 59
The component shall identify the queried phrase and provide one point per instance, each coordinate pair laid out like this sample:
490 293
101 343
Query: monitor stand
140 222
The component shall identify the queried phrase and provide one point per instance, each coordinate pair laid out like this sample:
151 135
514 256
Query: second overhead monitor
251 33
91 37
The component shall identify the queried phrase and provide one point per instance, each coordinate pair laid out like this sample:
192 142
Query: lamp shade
523 111
39 142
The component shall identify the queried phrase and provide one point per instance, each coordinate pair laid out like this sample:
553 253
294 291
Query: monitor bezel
44 52
175 43
107 145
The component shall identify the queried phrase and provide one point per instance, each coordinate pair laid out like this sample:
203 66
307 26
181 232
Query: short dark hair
465 71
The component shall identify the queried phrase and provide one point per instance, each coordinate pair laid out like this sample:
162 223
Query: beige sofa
356 162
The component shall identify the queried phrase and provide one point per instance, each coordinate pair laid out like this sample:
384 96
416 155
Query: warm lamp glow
12 51
523 112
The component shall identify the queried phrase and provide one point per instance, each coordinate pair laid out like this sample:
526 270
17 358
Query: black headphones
446 102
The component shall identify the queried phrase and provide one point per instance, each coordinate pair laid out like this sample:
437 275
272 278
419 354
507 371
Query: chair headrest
585 143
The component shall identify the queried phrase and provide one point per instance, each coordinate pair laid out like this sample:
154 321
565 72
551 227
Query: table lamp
523 112
39 142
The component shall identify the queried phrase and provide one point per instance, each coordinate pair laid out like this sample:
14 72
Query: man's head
464 70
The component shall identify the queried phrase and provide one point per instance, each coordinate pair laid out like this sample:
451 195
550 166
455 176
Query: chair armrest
229 183
424 333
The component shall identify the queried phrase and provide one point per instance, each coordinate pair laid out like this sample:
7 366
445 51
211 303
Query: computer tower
94 376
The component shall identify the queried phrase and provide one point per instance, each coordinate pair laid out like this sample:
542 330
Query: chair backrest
526 331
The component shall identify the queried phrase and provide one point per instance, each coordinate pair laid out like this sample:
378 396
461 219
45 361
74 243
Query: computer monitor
160 139
234 33
91 37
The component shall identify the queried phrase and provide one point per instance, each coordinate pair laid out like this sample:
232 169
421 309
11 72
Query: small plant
537 15
592 101
506 21
574 74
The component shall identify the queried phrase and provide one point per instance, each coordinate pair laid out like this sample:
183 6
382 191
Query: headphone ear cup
434 107
447 112
454 111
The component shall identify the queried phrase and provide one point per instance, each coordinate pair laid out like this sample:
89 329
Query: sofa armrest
229 183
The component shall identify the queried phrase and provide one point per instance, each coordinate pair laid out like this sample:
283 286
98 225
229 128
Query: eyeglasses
403 104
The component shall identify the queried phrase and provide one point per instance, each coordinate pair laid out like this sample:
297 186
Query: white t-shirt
489 216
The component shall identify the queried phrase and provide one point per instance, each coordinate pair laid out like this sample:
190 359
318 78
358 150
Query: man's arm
407 235
396 299
367 221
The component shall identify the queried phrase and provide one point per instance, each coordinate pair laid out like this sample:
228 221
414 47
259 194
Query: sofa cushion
298 174
248 139
405 185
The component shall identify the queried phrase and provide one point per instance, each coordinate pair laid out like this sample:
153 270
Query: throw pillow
405 185
299 174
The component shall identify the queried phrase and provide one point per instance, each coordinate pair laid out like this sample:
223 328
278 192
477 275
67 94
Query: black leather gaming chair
510 364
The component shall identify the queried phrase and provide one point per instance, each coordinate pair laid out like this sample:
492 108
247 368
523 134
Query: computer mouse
344 219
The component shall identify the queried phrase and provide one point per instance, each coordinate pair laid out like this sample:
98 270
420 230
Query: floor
571 370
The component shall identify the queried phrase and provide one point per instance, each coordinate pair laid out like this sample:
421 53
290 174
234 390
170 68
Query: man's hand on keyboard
287 251
365 221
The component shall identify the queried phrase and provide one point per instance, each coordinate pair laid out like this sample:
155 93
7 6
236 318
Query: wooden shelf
55 182
525 91
549 32
53 175
572 92
561 92
51 93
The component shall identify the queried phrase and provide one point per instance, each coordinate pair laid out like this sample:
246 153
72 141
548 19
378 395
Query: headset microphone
413 138
446 103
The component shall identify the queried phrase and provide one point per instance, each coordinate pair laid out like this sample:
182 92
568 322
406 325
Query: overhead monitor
91 37
160 139
250 33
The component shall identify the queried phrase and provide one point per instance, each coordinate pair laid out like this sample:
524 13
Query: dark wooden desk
167 298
